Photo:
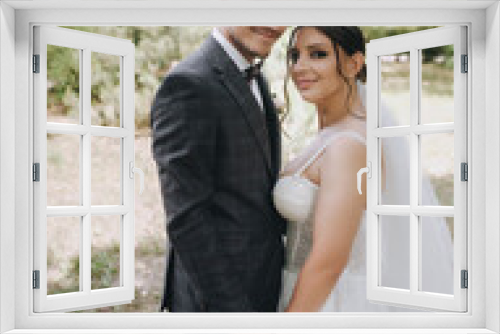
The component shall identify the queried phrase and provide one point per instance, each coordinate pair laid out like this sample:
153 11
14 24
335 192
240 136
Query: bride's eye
319 54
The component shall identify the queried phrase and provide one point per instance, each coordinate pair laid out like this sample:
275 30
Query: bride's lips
304 84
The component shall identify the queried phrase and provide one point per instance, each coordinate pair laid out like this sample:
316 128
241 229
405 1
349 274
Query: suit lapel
233 80
273 125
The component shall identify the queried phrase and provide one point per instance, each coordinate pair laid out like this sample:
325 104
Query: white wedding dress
294 197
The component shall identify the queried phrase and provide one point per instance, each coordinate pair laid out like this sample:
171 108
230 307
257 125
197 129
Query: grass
105 267
105 273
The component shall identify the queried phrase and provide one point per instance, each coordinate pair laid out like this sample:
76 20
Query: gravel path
63 233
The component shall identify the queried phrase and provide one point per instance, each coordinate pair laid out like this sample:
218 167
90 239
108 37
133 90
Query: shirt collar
231 51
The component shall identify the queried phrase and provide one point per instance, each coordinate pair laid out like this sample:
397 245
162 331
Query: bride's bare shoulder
347 146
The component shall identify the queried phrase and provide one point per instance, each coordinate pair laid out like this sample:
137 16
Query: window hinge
465 64
464 171
36 172
36 63
465 279
36 279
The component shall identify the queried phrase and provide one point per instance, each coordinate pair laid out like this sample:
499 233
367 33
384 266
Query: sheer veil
436 238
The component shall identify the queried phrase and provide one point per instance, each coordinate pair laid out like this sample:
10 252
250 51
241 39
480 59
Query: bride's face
313 67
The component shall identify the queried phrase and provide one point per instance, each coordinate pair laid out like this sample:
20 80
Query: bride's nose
299 65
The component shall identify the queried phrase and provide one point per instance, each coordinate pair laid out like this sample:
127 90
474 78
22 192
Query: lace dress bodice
294 197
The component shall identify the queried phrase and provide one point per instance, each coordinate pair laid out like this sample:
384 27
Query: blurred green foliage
157 50
63 77
428 55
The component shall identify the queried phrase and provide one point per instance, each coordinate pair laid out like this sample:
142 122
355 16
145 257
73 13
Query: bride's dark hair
350 39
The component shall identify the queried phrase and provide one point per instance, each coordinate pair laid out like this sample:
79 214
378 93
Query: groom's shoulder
197 64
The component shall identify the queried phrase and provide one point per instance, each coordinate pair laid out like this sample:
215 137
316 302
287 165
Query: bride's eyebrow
317 46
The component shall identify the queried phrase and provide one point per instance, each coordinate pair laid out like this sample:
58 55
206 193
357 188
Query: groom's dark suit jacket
218 157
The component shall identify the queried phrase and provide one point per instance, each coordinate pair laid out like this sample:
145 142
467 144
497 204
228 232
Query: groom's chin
258 51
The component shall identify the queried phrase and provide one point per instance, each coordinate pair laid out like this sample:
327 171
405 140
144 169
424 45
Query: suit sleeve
184 147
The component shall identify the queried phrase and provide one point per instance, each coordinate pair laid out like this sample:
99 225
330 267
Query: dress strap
351 134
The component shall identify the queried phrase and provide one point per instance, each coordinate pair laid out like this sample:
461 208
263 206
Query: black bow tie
252 71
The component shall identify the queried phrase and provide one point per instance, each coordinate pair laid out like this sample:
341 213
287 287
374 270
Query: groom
216 142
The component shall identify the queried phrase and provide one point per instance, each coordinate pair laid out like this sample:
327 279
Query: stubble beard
245 50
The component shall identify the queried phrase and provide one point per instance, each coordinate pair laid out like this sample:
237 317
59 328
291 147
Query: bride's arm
338 212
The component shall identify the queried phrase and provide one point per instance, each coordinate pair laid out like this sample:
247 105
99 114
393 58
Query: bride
317 192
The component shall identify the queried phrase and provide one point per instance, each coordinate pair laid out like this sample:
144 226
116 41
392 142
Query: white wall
7 124
492 164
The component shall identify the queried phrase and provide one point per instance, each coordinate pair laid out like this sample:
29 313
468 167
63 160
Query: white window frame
124 51
17 19
413 211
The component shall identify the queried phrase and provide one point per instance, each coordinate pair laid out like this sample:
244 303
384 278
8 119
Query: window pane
106 244
63 84
395 89
63 170
437 254
394 178
437 156
437 85
105 89
106 171
395 251
63 254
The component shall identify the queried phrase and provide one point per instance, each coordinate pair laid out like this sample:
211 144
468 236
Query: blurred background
158 49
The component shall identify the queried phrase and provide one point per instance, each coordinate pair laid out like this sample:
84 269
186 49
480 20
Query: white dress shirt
240 62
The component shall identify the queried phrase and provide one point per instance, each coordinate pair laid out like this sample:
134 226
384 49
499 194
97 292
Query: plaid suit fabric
217 163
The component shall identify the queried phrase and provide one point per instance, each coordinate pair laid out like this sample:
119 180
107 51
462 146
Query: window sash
86 43
414 42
